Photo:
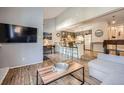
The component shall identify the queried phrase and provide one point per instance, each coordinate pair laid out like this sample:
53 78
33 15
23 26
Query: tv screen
10 33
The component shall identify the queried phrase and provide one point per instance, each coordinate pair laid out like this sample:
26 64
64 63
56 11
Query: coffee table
47 76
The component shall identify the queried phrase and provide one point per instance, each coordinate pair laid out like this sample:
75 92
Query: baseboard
98 51
87 50
24 65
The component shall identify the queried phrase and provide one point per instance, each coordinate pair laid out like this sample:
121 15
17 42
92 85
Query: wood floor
27 75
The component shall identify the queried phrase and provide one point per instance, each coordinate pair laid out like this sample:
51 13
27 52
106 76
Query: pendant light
113 28
113 21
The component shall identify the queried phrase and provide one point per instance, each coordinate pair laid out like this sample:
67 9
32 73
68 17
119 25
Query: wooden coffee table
47 76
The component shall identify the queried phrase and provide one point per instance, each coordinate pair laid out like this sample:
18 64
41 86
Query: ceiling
52 12
119 18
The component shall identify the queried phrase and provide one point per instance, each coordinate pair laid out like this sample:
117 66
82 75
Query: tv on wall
10 33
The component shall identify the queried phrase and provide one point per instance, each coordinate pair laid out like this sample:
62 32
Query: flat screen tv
10 33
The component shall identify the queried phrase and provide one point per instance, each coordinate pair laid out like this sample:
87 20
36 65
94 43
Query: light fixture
113 28
46 42
79 39
18 30
113 20
70 38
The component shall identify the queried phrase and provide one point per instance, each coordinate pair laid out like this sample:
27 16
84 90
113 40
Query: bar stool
73 46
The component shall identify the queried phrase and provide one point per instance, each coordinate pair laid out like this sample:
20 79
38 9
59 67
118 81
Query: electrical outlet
23 59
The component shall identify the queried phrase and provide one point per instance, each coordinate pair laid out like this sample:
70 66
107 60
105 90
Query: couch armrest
3 73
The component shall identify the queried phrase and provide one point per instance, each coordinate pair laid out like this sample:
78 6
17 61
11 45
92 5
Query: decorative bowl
60 67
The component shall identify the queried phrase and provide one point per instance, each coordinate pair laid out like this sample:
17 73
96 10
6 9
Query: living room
68 46
91 38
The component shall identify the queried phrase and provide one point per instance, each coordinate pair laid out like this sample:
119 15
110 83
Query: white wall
50 27
17 54
74 15
95 26
104 27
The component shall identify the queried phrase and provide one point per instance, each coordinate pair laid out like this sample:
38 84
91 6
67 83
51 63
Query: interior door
87 39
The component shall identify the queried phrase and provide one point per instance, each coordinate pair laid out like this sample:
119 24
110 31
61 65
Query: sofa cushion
3 72
111 58
99 75
114 79
105 66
